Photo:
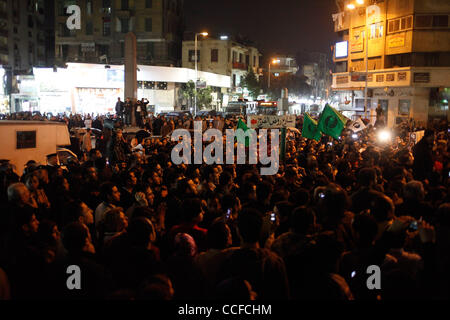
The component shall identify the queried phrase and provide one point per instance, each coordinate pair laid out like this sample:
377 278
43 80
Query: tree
204 97
188 93
251 83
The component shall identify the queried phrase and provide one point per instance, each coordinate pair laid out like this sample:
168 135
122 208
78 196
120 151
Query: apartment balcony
395 77
4 33
239 66
4 15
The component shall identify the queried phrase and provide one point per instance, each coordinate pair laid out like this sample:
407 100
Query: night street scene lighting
232 158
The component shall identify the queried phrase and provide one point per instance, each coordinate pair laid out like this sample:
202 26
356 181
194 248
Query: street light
196 71
368 9
274 61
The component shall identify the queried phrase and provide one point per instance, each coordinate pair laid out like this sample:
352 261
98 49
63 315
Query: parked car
66 156
207 113
179 114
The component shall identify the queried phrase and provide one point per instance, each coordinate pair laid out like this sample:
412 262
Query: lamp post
196 71
274 61
376 10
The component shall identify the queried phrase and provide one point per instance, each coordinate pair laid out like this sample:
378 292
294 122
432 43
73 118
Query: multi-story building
406 44
24 39
316 68
283 65
226 57
157 24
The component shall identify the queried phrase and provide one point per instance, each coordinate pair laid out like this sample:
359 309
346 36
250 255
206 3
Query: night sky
276 27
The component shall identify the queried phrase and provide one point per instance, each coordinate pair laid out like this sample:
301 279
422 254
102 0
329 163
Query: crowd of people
140 227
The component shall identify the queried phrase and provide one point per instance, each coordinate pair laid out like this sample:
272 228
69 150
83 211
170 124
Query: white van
22 141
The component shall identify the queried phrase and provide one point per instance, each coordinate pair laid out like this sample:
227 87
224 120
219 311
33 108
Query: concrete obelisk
131 72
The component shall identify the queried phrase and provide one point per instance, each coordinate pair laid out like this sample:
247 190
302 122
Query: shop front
420 94
94 88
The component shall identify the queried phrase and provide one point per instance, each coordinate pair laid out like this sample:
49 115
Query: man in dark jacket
119 109
128 109
423 157
157 125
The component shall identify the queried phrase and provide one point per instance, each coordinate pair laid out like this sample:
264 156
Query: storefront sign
341 79
396 41
201 84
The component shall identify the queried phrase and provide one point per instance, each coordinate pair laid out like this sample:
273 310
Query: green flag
331 122
310 128
241 125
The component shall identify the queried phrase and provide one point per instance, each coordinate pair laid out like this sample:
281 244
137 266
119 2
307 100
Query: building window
254 61
148 3
424 21
124 5
247 59
106 28
124 24
89 28
30 22
103 50
440 21
241 57
148 25
400 24
106 3
431 21
192 55
234 56
214 55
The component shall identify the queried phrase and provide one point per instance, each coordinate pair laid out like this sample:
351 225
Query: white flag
357 125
